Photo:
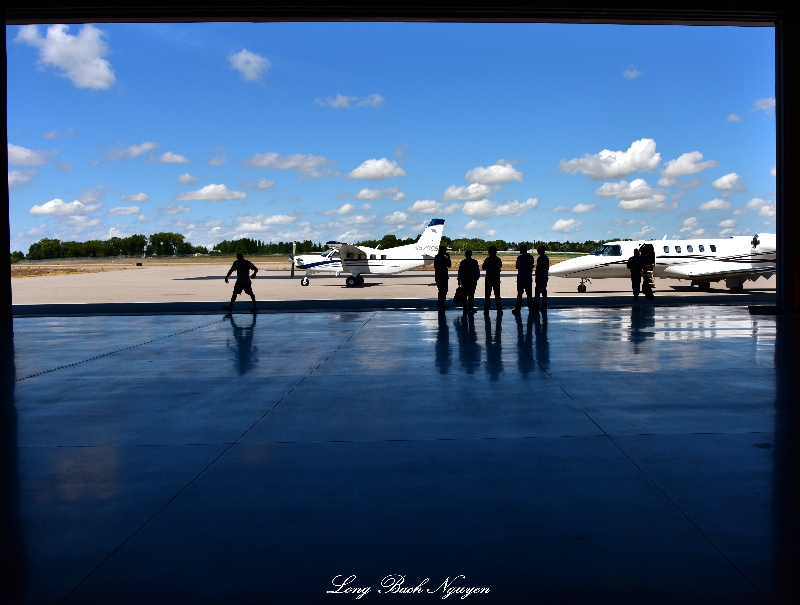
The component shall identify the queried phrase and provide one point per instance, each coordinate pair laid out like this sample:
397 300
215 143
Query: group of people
469 272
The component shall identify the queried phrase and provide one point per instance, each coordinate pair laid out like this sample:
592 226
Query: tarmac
644 454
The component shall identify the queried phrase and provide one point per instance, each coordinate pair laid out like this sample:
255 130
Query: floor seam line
650 479
210 464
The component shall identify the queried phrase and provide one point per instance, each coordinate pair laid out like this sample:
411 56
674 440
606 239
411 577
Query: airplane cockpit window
678 249
701 247
713 248
689 248
666 249
607 251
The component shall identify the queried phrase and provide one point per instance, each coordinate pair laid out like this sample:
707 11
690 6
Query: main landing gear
582 285
304 281
354 280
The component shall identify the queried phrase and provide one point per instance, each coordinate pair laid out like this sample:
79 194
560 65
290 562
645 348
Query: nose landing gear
304 281
582 285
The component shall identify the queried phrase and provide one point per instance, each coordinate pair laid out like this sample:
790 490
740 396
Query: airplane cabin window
689 248
701 247
666 249
383 257
361 257
615 251
713 248
678 249
372 257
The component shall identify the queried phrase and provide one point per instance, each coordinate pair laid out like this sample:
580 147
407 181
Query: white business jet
734 259
361 260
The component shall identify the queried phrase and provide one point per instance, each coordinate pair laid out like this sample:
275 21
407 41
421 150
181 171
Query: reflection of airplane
735 259
361 260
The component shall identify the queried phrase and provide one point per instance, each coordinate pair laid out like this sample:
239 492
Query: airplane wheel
360 280
737 289
350 281
704 285
304 281
582 288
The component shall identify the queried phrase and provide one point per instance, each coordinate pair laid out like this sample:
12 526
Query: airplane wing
711 270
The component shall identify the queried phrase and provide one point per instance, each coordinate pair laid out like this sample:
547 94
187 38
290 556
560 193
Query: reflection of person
441 265
542 273
494 348
242 268
443 345
468 275
524 277
245 351
492 265
635 265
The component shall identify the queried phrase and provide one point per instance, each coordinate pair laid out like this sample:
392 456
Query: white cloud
65 167
479 209
136 197
261 184
627 223
126 153
187 179
55 134
431 207
396 218
250 65
636 195
632 73
560 209
344 209
688 163
173 158
581 208
643 231
755 204
376 170
376 194
729 182
309 166
346 102
607 164
474 225
689 224
124 210
716 204
22 156
80 58
673 182
766 105
475 191
365 207
58 207
90 196
263 222
569 225
728 223
497 174
173 209
17 178
210 193
734 117
219 159
773 171
516 207
768 210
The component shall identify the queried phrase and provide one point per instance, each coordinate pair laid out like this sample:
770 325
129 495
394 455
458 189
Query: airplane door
649 255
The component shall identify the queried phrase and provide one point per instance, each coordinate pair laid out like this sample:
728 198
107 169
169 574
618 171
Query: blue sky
349 131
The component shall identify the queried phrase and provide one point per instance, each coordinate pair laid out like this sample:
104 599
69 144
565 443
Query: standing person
492 265
635 265
242 268
542 273
524 277
468 275
441 265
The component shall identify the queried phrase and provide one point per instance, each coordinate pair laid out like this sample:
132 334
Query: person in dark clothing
441 266
469 272
242 268
492 265
542 274
524 277
635 265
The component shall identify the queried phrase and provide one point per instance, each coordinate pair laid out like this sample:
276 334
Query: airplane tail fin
432 236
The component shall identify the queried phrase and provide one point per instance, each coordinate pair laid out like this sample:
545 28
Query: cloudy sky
350 131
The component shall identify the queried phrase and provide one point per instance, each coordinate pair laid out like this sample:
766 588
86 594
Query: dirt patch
17 271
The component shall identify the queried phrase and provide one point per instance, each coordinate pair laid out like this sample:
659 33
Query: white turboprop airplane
735 259
361 260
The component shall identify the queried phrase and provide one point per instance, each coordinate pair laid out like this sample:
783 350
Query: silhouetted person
542 274
635 265
242 268
441 266
492 265
468 275
524 277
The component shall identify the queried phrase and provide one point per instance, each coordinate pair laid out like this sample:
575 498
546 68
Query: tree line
158 244
256 246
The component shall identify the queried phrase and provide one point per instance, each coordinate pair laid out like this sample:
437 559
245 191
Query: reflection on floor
597 455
